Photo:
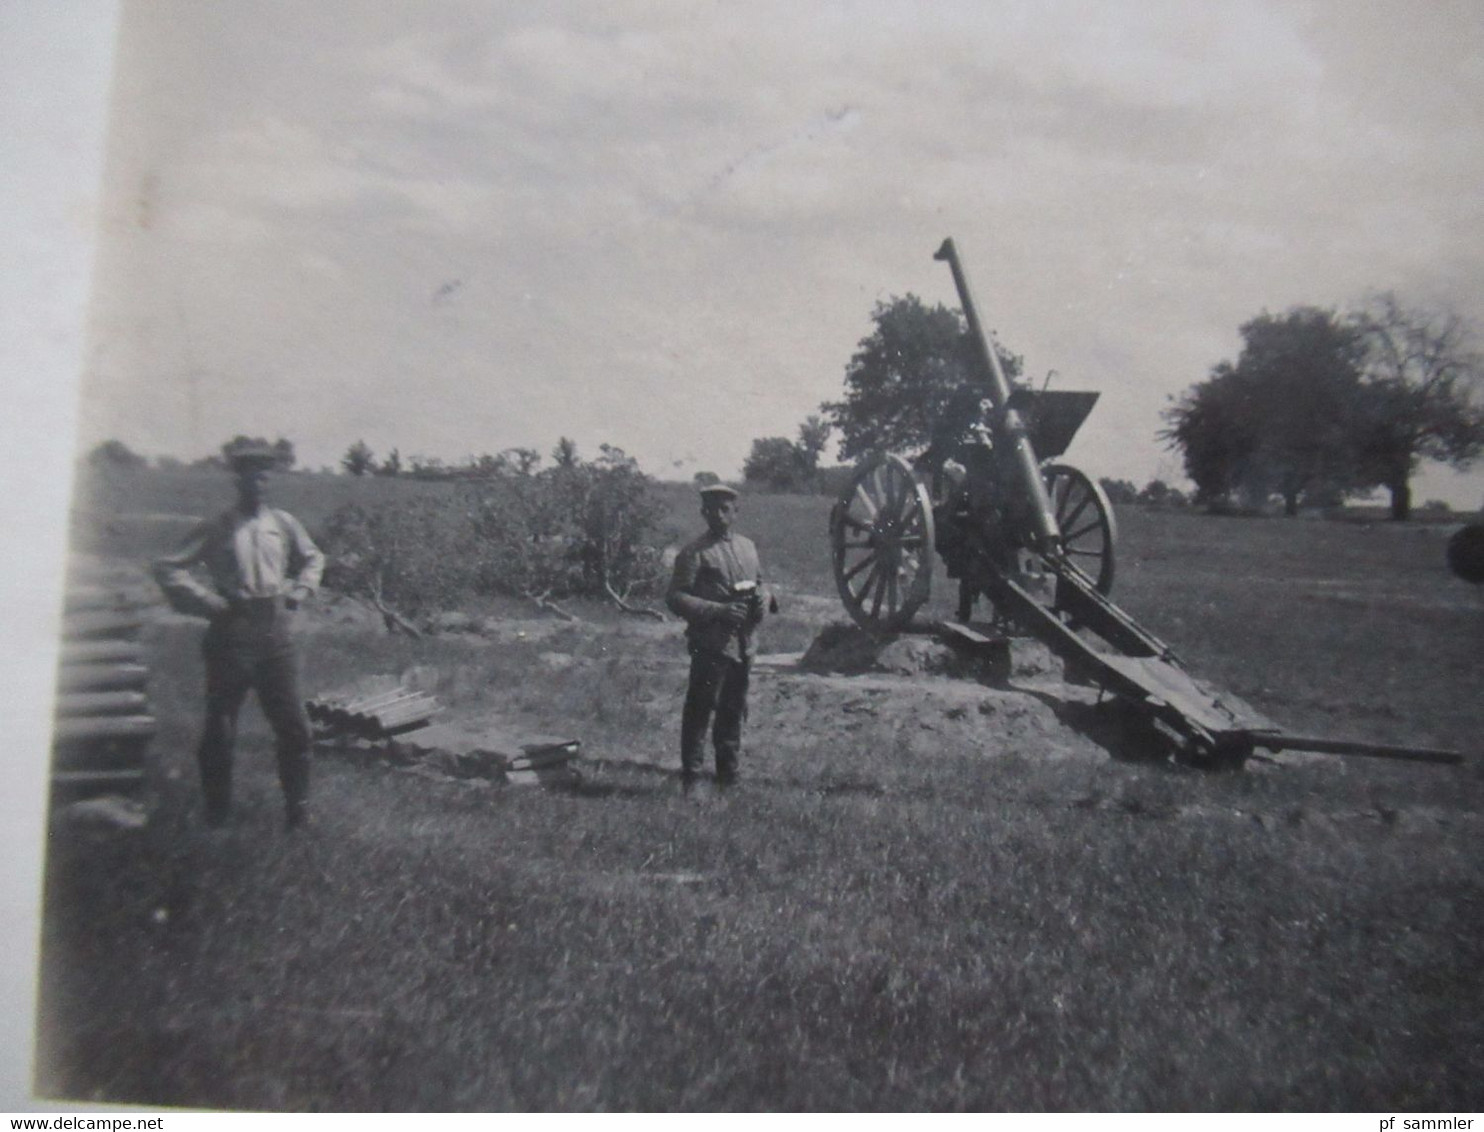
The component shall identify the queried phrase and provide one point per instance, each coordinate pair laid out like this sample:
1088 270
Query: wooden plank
560 775
1193 699
101 652
101 677
117 778
534 756
104 727
109 753
102 703
78 599
101 623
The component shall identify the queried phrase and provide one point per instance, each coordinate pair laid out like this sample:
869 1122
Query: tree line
1318 407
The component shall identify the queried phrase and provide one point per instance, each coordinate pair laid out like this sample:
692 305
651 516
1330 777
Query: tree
284 450
814 434
358 459
521 461
776 462
564 455
1119 491
392 465
1283 419
903 376
115 455
1156 493
1417 403
705 479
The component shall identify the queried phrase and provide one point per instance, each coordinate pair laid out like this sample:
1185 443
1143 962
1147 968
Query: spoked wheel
881 532
1085 518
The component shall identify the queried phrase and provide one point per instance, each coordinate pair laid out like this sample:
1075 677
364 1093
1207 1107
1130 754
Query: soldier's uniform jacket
706 569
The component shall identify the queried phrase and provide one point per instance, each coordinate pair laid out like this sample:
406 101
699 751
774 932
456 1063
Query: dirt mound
847 650
796 712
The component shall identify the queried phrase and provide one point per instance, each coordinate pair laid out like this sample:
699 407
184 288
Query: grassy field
882 918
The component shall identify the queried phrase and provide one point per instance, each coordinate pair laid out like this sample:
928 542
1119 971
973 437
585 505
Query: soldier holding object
716 588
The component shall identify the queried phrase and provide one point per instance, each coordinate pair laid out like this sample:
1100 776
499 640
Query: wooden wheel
881 532
1085 518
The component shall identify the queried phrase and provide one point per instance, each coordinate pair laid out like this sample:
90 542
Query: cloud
647 200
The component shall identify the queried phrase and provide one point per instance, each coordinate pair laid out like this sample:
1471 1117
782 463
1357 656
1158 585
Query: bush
583 528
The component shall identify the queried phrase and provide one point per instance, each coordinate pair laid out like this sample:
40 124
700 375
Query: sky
453 227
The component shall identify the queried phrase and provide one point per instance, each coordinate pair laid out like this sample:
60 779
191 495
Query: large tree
776 462
1214 433
1418 405
903 376
1283 419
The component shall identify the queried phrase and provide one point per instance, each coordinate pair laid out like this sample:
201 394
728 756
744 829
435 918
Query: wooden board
1218 712
102 677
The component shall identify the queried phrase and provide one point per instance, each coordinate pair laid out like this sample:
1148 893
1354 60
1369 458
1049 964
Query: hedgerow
577 528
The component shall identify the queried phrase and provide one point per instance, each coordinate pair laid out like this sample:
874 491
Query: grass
868 925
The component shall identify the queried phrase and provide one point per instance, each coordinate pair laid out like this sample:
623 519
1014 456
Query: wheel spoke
860 492
893 599
889 491
859 566
1096 524
876 602
906 500
1068 520
861 594
1057 490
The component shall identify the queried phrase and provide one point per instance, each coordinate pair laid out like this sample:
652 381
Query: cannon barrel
1010 428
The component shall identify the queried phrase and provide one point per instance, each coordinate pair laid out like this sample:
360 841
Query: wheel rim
1085 518
881 532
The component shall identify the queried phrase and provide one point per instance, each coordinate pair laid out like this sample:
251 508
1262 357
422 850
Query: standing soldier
262 564
716 588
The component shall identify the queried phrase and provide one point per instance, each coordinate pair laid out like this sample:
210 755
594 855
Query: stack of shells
375 716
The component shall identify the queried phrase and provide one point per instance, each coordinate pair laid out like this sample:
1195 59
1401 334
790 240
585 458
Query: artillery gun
1037 538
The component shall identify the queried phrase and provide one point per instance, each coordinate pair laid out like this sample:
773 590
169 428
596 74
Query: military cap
718 491
251 453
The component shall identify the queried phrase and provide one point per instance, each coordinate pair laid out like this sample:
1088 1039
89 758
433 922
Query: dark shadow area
1114 725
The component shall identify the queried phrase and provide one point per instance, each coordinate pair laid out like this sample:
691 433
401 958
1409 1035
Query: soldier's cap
717 491
251 454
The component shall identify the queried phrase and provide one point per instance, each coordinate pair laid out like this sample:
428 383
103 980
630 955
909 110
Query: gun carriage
1037 537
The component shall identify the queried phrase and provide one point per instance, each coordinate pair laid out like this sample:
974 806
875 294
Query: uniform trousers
716 698
247 648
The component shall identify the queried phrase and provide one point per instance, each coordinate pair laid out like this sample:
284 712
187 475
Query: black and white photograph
693 557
